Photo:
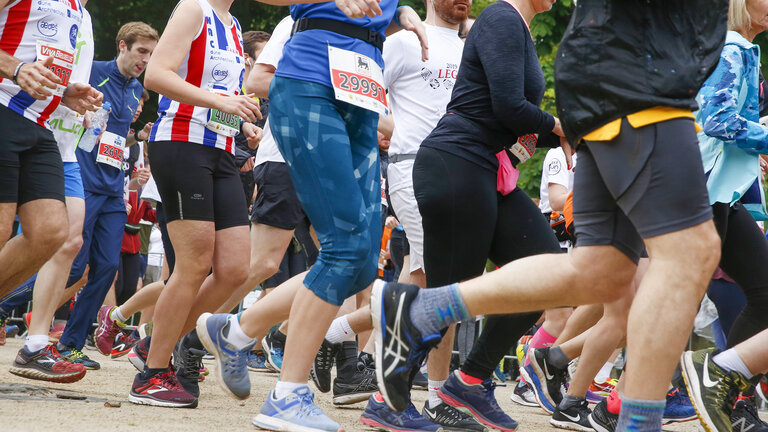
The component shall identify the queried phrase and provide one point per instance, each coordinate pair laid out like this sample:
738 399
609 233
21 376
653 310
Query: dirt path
27 405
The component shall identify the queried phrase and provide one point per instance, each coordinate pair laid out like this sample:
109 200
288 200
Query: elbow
150 80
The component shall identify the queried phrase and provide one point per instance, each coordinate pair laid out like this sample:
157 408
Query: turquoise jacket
732 137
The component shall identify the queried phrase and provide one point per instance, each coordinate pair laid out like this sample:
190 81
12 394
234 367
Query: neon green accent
134 96
80 43
103 82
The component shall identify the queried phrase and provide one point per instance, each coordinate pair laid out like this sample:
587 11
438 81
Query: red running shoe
139 353
107 329
46 365
56 331
161 390
123 345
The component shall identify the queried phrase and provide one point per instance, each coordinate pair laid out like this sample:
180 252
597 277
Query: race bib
63 61
525 147
223 123
111 148
357 80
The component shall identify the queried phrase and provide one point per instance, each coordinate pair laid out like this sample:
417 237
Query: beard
449 12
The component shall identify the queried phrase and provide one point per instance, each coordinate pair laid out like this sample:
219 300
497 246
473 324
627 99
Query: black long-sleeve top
498 90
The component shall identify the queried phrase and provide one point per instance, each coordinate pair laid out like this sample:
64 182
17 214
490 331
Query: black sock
557 358
192 341
148 373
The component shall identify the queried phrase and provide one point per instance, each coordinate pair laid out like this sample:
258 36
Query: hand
409 20
244 106
763 166
145 131
37 79
248 165
359 8
391 222
253 134
558 129
81 97
143 176
128 208
568 150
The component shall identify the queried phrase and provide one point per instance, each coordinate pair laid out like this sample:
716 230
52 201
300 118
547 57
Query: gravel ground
28 405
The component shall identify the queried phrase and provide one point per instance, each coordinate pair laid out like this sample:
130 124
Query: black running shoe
450 418
546 380
575 417
400 347
321 367
745 418
603 420
367 360
355 387
187 361
420 381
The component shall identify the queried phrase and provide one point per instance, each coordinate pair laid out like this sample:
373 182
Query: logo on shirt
73 35
47 28
554 167
218 73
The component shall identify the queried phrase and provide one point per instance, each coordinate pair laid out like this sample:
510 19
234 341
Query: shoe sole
136 361
42 376
144 400
352 398
569 426
270 363
376 299
207 341
682 420
450 400
120 354
597 426
270 423
385 427
694 391
520 401
529 379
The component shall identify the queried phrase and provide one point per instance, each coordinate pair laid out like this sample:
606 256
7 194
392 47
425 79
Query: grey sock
557 358
569 401
436 308
639 415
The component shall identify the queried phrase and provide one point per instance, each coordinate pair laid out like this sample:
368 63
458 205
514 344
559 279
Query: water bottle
91 136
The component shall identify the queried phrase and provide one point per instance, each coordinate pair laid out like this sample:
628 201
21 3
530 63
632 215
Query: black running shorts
276 202
30 162
198 182
645 182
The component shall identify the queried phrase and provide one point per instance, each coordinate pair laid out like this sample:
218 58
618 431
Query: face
452 11
540 6
138 110
133 61
758 12
383 142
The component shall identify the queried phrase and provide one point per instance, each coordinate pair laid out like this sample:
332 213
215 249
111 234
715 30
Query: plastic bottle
91 136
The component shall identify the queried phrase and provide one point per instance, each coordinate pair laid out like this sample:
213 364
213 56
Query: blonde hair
132 31
738 16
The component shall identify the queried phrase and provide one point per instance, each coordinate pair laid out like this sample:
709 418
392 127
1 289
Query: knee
234 275
72 245
609 285
264 267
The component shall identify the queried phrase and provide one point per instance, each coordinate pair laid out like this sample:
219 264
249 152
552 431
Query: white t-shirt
271 55
150 192
66 124
155 250
554 170
418 91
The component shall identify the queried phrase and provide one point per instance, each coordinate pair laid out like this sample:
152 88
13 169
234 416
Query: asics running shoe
381 417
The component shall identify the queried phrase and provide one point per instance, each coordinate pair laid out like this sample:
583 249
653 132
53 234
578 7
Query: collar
518 12
735 38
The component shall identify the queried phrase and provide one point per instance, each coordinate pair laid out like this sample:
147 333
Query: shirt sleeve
393 59
556 169
273 50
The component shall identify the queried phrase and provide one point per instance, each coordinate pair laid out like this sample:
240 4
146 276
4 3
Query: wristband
16 72
397 15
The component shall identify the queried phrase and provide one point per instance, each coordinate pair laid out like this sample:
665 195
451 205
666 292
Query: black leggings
744 258
127 276
467 222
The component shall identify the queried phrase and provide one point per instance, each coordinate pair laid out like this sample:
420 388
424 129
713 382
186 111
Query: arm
173 46
147 212
260 79
557 195
719 103
351 8
409 20
387 125
143 135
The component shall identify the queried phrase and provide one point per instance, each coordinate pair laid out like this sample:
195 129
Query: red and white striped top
50 24
215 62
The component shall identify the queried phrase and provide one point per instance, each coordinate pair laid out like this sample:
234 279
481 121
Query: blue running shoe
476 399
381 417
257 361
679 407
231 362
273 351
297 411
74 355
545 380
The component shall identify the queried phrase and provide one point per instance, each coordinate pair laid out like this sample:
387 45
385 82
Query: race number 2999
357 79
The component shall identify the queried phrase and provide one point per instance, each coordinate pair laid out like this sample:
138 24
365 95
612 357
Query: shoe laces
490 388
325 356
76 354
238 362
191 363
168 380
51 350
307 406
450 414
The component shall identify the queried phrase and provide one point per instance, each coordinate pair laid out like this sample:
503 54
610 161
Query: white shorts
406 209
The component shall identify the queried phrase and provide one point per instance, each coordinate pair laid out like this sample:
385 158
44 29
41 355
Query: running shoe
594 398
139 353
296 412
27 318
712 389
11 330
257 361
476 399
321 367
499 373
367 360
123 345
355 387
762 389
161 390
46 365
451 419
231 362
575 417
745 418
603 388
420 381
400 347
145 330
74 355
545 379
381 417
106 330
187 362
523 395
90 345
603 420
678 408
273 348
56 331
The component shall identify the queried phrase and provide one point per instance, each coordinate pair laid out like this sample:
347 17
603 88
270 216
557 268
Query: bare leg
754 352
556 319
271 309
143 299
363 301
581 320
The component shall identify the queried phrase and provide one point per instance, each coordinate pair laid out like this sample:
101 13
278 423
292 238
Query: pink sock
542 339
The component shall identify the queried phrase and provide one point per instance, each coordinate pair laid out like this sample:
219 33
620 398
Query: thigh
41 172
744 254
457 202
10 167
229 207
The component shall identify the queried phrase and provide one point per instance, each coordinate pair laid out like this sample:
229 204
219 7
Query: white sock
340 331
236 335
434 386
605 372
283 389
36 342
116 315
730 361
